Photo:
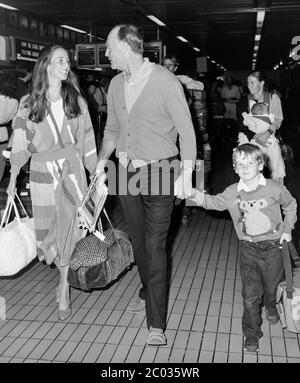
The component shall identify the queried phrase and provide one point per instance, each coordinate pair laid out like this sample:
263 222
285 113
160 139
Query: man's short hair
132 36
248 150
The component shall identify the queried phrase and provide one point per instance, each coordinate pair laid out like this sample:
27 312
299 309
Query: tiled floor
204 311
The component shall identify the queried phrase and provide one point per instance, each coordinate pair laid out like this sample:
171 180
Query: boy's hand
285 237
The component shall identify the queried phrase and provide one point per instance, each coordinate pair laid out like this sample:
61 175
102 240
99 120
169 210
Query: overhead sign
28 50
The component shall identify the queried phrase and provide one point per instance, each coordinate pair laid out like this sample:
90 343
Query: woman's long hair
37 101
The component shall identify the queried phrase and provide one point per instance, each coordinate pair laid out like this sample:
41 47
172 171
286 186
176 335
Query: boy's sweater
256 214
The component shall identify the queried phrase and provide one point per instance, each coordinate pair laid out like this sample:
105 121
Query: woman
8 109
258 93
53 127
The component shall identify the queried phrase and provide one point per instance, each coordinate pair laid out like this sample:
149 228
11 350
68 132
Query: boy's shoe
272 319
136 305
251 344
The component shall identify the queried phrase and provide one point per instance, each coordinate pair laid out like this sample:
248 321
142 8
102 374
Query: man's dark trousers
148 219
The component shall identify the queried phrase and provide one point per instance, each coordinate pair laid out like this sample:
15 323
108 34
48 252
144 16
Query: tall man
146 112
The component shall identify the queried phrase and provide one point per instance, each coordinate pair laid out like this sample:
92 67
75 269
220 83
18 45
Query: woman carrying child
265 140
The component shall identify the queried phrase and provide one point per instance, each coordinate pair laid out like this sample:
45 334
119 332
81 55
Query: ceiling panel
222 29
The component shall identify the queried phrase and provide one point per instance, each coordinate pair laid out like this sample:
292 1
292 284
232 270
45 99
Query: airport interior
214 48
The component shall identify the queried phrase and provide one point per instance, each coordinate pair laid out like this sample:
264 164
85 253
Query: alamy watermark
295 53
150 178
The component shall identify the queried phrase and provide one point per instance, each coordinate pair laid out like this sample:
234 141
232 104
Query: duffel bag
95 263
288 293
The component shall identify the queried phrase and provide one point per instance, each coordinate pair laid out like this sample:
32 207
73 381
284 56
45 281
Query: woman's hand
11 189
262 138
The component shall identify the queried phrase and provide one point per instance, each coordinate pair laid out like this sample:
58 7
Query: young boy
254 205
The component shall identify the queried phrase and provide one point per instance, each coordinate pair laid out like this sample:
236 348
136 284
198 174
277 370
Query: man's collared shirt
133 87
136 83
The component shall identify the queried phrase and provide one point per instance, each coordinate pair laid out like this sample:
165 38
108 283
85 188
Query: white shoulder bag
17 240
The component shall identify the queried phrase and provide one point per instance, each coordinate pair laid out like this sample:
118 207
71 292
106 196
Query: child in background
259 121
254 205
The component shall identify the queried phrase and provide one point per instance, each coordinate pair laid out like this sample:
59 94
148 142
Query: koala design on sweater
255 222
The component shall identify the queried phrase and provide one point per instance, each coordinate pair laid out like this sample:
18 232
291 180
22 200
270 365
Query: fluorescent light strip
260 16
156 20
196 49
182 39
257 37
8 7
73 29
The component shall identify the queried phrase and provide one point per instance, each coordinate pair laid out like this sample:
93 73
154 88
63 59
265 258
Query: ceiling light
156 20
8 7
73 29
196 49
260 16
208 57
256 47
257 37
213 61
182 39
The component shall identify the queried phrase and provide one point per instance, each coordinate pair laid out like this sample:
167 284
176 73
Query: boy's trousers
261 265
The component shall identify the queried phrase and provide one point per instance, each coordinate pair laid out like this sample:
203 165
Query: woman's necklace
55 97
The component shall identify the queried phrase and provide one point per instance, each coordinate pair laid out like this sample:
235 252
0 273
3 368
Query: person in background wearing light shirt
146 111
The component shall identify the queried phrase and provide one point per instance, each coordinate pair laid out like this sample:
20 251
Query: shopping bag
98 260
288 293
17 240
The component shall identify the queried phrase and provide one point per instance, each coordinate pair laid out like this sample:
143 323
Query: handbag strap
111 226
6 213
288 270
60 141
22 206
9 205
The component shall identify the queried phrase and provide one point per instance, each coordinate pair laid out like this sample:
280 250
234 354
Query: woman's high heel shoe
64 314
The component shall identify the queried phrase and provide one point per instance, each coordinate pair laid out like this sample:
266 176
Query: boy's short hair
248 150
259 108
